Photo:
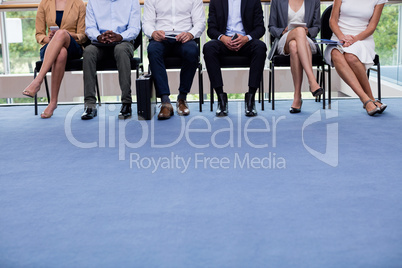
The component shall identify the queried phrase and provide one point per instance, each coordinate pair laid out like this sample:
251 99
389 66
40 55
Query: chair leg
98 92
211 92
273 87
262 93
379 80
36 97
47 90
269 84
322 77
329 87
201 87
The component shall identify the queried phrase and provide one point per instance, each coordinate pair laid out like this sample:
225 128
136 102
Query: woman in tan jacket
59 45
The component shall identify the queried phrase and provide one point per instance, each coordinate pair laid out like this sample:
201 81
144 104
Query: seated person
62 42
112 35
297 41
235 33
356 55
171 28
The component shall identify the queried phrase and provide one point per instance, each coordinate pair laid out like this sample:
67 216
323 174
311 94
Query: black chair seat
238 61
173 62
284 61
110 64
71 65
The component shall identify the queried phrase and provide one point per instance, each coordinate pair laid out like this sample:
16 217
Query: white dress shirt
173 17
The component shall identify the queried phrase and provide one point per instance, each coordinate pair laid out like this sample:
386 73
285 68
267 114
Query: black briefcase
146 97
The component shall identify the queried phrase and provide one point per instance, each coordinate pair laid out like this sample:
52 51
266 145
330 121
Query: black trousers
255 49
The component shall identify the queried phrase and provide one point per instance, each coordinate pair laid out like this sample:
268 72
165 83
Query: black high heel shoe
293 110
318 92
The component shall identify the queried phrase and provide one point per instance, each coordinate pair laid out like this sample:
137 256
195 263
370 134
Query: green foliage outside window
386 35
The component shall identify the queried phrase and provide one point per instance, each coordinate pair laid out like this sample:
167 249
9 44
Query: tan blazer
73 19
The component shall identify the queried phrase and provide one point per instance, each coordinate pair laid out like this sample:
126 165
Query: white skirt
363 49
282 43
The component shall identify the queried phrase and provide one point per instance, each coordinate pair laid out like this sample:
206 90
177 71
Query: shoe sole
124 117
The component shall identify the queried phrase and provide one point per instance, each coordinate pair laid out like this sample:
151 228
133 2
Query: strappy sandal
29 93
374 111
382 107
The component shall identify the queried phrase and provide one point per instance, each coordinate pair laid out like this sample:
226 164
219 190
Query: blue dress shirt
120 16
235 24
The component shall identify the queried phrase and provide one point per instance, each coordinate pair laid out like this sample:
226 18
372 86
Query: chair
284 61
326 33
238 62
107 64
175 62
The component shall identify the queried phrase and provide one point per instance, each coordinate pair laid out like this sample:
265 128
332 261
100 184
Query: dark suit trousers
187 51
256 50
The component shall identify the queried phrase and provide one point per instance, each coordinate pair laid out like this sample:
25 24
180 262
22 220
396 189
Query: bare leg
297 73
304 52
345 71
60 40
361 73
57 76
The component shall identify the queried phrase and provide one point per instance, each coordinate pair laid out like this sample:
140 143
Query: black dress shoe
223 108
125 111
293 110
89 113
250 109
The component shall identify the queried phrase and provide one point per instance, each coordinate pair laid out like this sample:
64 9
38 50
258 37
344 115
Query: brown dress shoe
166 111
182 107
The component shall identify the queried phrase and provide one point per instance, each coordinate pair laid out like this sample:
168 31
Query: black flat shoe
250 109
318 92
293 110
223 108
89 113
125 111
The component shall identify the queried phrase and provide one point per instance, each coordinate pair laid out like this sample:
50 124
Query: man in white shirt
171 26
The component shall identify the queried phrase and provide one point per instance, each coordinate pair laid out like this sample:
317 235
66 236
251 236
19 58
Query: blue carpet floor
322 188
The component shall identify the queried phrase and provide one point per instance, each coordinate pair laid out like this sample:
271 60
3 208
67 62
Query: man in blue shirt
235 27
112 26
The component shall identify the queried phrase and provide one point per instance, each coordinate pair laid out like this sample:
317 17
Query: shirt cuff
219 37
249 37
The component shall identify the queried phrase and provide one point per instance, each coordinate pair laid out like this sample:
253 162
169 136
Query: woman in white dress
353 23
295 22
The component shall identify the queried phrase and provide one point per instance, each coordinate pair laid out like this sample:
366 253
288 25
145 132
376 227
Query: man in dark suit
235 33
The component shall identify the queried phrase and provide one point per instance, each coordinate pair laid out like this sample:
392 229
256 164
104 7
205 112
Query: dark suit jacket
278 18
251 14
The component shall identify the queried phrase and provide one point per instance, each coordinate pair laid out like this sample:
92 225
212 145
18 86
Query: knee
351 59
260 47
90 52
300 32
61 35
155 50
190 52
123 50
293 47
210 48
